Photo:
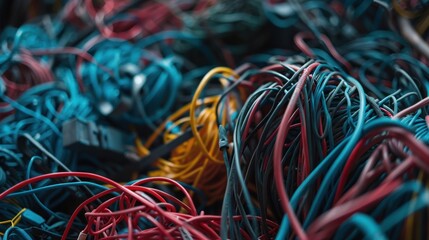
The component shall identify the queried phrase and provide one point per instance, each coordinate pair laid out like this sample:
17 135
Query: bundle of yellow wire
198 161
14 221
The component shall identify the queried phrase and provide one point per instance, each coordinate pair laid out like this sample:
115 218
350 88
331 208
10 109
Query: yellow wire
198 161
423 24
14 221
177 114
226 71
403 12
422 15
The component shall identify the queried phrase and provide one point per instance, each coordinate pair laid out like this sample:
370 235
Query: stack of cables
132 211
307 126
122 74
198 160
362 186
215 119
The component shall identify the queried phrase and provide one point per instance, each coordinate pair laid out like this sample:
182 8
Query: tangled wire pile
214 119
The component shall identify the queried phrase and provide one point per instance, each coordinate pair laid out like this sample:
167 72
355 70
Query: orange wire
198 161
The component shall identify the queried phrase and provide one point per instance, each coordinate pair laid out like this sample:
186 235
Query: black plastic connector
102 141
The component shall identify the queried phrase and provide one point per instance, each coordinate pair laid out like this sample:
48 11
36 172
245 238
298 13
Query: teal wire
55 186
365 223
327 164
16 232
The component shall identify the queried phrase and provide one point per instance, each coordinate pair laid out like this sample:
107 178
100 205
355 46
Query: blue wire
414 205
327 164
17 232
36 199
365 223
55 186
31 113
338 164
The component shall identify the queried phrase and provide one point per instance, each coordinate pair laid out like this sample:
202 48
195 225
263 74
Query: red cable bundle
136 202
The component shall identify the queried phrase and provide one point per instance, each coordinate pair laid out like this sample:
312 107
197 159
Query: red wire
300 43
350 163
81 55
324 143
133 204
251 117
324 226
304 147
422 103
124 189
348 203
278 152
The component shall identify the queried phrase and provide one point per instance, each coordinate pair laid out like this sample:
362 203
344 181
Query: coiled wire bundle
216 120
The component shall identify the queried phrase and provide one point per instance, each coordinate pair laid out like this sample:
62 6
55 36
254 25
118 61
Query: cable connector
103 141
223 138
32 218
82 236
